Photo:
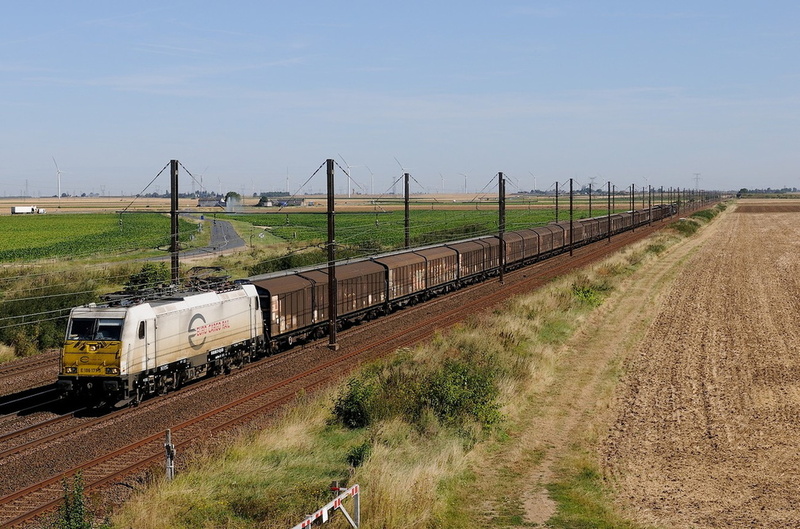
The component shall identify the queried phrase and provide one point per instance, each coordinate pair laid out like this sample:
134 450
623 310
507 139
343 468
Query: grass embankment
412 430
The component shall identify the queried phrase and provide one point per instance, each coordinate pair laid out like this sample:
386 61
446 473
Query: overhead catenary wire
146 187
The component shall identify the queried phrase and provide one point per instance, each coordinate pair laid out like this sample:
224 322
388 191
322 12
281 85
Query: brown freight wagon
530 242
593 228
515 248
361 288
475 258
441 269
406 274
290 303
551 238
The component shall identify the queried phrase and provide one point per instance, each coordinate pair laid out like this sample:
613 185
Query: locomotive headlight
71 370
112 371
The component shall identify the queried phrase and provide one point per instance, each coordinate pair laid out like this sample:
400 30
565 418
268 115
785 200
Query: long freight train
116 354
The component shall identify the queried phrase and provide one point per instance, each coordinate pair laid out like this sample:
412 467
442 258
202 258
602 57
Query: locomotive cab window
95 329
108 329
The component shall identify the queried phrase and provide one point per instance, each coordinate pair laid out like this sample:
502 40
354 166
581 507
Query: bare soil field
314 204
707 421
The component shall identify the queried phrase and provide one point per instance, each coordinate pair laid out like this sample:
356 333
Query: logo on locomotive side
199 329
193 335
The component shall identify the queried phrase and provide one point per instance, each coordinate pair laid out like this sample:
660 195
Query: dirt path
708 419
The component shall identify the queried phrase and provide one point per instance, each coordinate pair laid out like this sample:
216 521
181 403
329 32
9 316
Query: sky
254 96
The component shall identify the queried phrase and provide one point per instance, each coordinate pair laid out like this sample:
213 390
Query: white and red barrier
324 513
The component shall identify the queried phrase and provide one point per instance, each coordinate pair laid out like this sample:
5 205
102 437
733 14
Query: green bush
587 295
461 391
656 248
75 512
353 408
685 227
456 392
706 214
359 454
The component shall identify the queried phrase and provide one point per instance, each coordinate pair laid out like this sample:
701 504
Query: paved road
223 237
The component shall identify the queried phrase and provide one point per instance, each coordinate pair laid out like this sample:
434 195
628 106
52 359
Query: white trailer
26 210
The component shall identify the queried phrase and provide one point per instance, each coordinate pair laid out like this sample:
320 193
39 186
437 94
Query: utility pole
502 222
173 245
571 232
609 211
633 207
407 210
556 201
332 286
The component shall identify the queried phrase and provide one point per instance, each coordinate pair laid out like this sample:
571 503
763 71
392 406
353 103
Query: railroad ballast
121 354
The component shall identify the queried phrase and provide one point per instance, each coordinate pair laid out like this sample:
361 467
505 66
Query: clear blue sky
246 92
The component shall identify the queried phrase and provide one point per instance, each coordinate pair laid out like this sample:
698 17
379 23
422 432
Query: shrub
706 214
590 292
656 248
74 512
353 408
461 391
359 454
456 392
685 227
587 295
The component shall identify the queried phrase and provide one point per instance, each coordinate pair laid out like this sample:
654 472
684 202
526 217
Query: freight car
121 354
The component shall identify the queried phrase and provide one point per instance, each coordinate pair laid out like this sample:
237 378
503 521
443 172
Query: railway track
113 464
30 365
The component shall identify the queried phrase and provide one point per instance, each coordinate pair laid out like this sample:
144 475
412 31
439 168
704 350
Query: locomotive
116 355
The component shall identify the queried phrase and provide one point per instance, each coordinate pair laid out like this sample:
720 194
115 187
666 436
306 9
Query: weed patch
685 227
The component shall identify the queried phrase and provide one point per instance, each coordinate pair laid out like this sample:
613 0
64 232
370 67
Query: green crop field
386 230
30 237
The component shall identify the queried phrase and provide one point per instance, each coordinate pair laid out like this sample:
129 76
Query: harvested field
792 207
708 416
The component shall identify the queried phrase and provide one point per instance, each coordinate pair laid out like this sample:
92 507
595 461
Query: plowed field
707 430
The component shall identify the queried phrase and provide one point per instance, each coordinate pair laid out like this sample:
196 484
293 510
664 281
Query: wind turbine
371 181
58 176
404 171
465 182
349 178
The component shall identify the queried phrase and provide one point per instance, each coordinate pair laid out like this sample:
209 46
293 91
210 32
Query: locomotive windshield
95 329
